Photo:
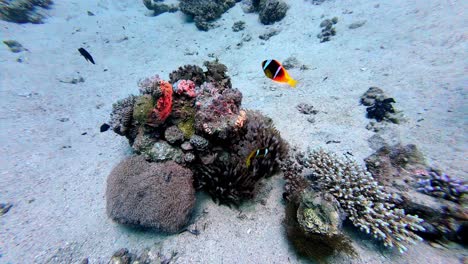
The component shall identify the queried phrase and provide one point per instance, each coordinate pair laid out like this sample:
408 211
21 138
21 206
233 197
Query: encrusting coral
367 205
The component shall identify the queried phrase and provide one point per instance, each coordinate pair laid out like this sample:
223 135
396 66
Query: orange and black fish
275 71
256 153
86 54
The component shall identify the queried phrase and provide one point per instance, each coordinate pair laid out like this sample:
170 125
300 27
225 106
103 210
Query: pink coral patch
187 87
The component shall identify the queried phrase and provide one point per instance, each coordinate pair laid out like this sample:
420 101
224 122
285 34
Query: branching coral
368 206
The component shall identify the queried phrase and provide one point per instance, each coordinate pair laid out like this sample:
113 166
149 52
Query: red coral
186 86
164 103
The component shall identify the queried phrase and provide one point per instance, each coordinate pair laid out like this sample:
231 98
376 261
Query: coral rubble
327 29
204 12
364 201
269 11
24 11
159 8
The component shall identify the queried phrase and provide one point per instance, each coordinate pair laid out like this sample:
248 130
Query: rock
290 63
306 109
173 134
186 146
271 11
327 29
143 142
121 256
14 46
189 157
238 26
5 207
357 24
199 142
150 195
162 151
270 33
372 94
158 8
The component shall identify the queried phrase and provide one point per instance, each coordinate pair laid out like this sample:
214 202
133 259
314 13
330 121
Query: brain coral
151 195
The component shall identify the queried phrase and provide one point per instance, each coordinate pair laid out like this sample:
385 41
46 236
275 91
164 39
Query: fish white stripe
266 64
277 71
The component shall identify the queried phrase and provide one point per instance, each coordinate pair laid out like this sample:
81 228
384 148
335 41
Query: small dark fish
86 54
104 127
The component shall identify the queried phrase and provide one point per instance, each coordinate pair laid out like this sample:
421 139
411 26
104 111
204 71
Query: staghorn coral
368 206
150 195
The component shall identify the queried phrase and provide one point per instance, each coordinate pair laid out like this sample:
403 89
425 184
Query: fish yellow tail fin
292 83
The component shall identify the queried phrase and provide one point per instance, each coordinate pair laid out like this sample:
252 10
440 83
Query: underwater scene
233 131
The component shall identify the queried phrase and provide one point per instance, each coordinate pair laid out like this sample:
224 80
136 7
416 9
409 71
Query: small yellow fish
258 153
275 71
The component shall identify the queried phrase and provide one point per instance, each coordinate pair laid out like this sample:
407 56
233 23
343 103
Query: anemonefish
257 153
275 71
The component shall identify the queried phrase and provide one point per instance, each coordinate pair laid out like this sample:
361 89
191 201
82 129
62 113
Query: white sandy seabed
55 177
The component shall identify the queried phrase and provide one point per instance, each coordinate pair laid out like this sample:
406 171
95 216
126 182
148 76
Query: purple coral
441 185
